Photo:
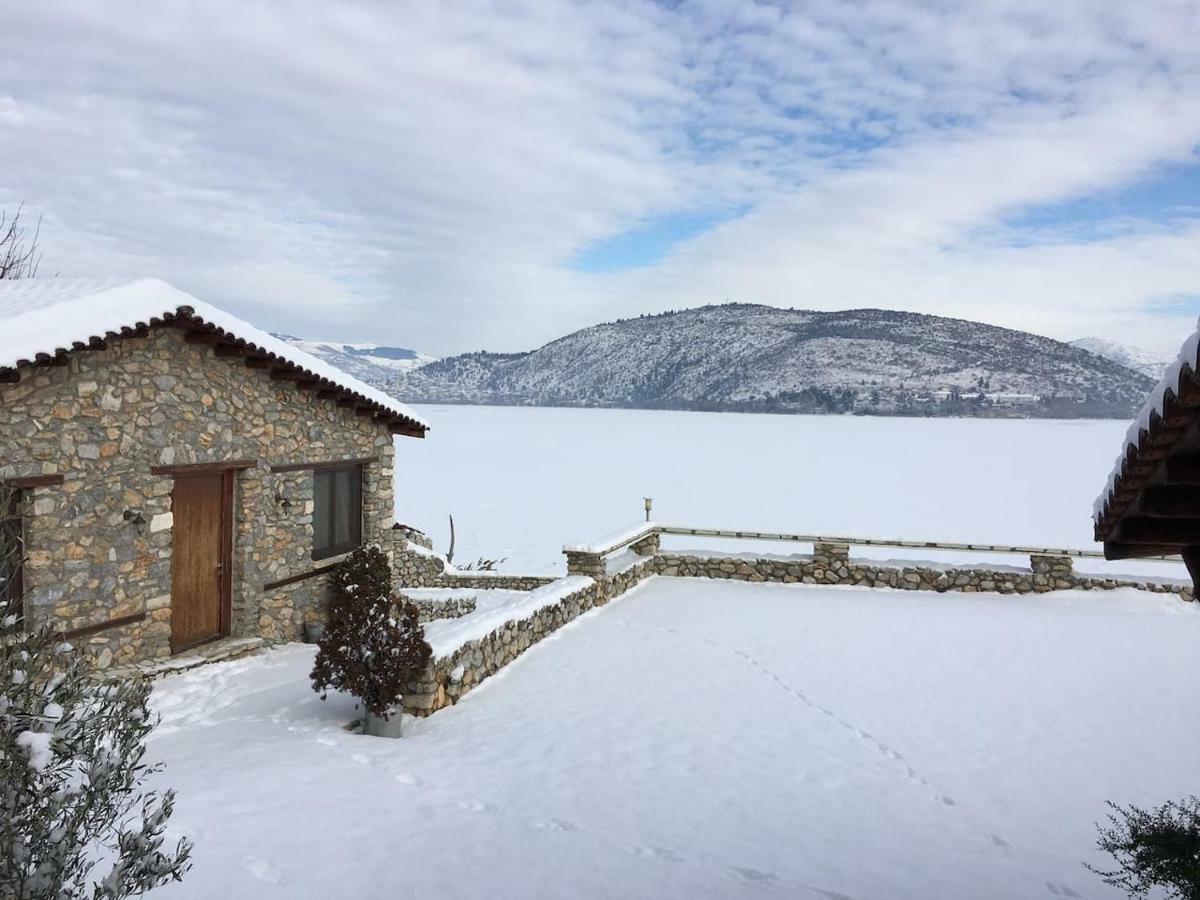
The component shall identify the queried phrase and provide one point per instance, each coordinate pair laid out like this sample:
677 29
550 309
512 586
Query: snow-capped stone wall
831 564
103 423
415 565
452 674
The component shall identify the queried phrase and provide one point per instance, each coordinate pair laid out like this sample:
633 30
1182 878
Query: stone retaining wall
412 568
448 608
831 564
450 677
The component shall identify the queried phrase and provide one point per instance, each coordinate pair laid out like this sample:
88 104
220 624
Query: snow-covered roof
45 318
1150 423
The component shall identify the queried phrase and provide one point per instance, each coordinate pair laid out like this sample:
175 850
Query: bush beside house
372 644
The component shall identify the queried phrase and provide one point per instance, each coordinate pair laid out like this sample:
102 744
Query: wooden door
200 558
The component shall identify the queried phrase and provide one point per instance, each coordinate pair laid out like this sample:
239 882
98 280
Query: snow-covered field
703 739
521 482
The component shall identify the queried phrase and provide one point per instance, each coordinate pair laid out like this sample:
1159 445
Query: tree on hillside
74 822
19 252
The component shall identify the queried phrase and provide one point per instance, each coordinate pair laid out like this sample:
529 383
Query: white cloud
426 172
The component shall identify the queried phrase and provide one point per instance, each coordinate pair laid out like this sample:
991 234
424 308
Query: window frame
328 474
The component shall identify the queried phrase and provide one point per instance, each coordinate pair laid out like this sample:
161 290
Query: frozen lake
521 482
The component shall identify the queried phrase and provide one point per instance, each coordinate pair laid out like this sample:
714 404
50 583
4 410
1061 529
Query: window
337 511
11 551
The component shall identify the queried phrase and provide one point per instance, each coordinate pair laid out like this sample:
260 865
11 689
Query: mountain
378 366
1152 365
744 357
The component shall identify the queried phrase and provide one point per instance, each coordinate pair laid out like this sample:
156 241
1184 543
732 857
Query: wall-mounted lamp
135 518
281 501
649 501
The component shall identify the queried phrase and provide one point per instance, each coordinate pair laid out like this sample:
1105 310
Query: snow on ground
708 739
522 482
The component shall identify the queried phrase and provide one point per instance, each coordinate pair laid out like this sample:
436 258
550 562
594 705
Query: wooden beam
1170 501
204 468
1183 469
328 393
89 630
9 376
364 410
257 362
287 375
325 464
407 430
1116 550
32 481
347 402
1191 559
228 350
1145 530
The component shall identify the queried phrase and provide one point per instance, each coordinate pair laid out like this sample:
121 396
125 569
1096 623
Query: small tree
74 822
372 645
19 253
1153 848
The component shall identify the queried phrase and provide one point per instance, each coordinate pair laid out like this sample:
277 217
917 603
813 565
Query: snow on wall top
1152 409
45 315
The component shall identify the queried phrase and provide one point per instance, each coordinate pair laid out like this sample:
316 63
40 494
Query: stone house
180 475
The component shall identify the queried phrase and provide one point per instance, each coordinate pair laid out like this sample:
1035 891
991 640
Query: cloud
432 173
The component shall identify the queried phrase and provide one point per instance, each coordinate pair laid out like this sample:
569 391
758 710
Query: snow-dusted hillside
748 357
1152 365
377 365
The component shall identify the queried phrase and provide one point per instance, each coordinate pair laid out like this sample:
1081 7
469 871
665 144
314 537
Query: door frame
225 561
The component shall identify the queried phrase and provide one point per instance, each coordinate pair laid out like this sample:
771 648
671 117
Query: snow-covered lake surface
521 482
703 739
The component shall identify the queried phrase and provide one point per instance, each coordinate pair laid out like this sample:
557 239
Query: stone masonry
104 419
450 677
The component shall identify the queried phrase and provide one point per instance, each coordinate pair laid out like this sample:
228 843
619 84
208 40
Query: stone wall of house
108 416
450 677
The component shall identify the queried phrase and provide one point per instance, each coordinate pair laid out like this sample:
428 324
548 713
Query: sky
459 176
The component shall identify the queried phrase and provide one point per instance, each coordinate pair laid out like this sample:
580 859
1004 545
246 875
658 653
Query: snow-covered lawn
708 739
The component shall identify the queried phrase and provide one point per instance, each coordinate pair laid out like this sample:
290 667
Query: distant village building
1151 503
181 475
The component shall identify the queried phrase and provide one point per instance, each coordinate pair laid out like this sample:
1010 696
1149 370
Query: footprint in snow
477 806
1061 890
755 876
262 869
1000 842
555 825
661 853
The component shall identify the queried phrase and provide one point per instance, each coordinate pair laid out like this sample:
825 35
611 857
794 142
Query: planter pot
378 726
313 631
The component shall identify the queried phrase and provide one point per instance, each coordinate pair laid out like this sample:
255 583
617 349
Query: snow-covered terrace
708 739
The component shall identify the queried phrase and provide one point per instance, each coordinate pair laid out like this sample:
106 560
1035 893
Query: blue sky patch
1168 196
647 243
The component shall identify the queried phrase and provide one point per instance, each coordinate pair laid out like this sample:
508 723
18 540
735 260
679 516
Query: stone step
215 651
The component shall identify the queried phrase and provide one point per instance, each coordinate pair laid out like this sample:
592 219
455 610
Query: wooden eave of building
227 345
1153 507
